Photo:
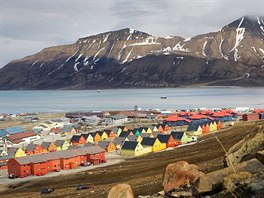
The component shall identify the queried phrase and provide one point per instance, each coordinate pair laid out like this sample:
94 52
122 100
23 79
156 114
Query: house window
55 165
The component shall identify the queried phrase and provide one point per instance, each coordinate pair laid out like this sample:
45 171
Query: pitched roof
85 135
75 138
155 133
145 134
14 129
12 151
88 144
177 135
21 135
119 140
163 138
2 132
59 142
132 138
66 128
45 144
130 145
30 147
108 132
103 144
148 141
124 134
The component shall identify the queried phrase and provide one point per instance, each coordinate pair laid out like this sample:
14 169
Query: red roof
206 112
228 111
259 111
176 118
55 130
21 135
183 113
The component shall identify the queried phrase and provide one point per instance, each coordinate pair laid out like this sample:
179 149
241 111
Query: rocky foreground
243 176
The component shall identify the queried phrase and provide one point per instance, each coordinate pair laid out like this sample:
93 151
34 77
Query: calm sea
116 99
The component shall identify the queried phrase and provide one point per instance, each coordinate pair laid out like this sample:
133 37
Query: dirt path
144 174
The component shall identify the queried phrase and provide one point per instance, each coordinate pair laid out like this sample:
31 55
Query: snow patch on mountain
203 50
75 67
106 37
128 55
148 41
180 47
33 64
239 37
94 58
78 57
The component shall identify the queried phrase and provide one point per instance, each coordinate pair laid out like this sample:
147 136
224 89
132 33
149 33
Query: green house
62 145
181 136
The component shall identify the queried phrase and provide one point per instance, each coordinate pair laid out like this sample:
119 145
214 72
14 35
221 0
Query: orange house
78 140
33 149
19 166
207 128
107 145
110 133
96 136
219 125
162 128
204 129
167 139
48 147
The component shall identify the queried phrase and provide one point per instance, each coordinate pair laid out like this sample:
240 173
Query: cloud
30 25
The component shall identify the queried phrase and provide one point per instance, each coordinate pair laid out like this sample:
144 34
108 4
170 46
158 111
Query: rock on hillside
130 58
247 148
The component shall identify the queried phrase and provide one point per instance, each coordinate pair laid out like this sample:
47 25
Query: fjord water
117 99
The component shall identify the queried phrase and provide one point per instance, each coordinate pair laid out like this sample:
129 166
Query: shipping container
252 116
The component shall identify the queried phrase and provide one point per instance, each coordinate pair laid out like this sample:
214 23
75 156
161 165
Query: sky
28 26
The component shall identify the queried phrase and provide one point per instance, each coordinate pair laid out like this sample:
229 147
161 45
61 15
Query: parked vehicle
47 190
86 164
83 187
12 176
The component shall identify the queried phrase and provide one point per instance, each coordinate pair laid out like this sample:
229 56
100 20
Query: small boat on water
98 90
163 97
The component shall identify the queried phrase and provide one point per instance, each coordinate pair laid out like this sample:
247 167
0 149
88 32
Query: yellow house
16 152
155 144
215 125
139 139
154 128
212 128
103 135
90 139
132 148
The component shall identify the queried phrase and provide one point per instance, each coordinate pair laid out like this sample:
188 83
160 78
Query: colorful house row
54 161
201 127
153 144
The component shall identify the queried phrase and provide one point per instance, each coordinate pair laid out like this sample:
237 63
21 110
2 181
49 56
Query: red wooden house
47 162
110 133
168 139
78 140
162 128
33 149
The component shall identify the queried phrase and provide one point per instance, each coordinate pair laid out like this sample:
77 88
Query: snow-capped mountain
130 58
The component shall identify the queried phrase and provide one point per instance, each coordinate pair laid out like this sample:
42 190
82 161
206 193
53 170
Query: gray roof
12 151
59 142
103 144
119 140
88 144
30 147
132 138
45 145
57 155
144 135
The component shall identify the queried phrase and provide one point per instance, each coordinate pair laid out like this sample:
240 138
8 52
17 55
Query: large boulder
231 182
180 174
121 191
211 181
246 148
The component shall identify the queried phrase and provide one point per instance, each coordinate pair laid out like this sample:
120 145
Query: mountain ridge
131 58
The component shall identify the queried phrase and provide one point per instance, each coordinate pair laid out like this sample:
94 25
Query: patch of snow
124 69
150 40
247 75
241 22
167 49
220 47
239 37
180 47
166 53
41 65
84 41
180 57
71 56
98 53
187 39
96 60
110 51
92 66
254 49
106 37
129 53
85 63
78 57
131 31
203 50
75 67
173 63
261 50
168 37
33 64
